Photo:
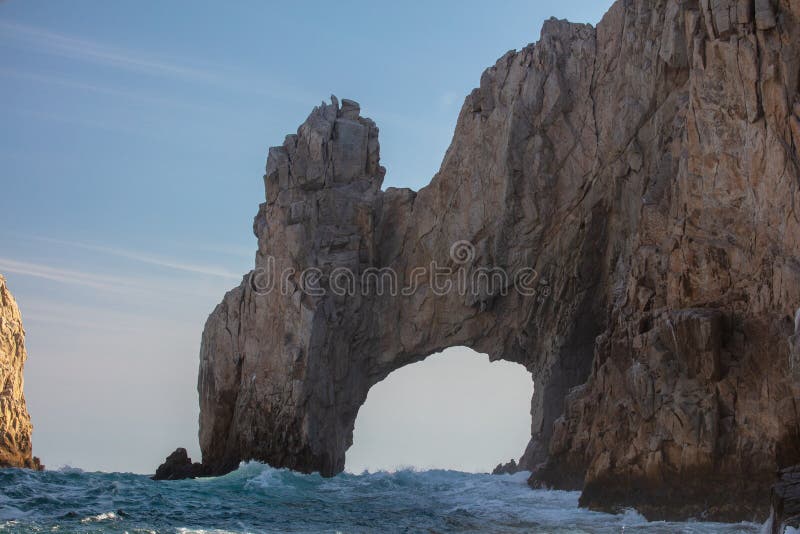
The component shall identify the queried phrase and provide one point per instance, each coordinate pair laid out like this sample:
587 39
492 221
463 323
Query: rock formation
786 501
506 469
629 194
179 466
15 423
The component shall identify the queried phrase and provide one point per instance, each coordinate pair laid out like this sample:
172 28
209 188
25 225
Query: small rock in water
178 466
506 469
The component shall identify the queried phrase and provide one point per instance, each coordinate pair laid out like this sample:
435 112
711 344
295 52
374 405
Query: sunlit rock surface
646 169
15 423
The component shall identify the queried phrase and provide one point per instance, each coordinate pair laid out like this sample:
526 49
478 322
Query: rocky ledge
15 422
643 174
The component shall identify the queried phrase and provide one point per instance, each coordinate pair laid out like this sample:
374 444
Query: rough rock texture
15 423
506 469
786 501
646 169
179 466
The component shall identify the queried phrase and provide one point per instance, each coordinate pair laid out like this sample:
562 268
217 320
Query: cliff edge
15 423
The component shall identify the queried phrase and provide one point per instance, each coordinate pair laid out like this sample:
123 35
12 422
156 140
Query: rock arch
641 169
298 366
455 410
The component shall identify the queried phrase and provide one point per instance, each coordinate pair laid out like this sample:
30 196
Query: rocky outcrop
786 501
506 469
179 466
15 423
617 212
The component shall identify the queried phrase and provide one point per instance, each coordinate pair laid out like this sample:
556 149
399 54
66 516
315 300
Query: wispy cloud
82 49
123 285
105 55
150 259
69 276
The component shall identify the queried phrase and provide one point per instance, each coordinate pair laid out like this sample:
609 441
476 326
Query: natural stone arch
282 375
645 170
455 410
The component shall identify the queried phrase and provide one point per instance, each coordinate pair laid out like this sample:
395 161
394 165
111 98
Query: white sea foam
106 516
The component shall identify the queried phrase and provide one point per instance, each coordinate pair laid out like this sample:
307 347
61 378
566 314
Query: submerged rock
15 422
179 466
642 176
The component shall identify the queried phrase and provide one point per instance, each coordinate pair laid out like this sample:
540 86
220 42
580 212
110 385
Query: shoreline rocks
15 422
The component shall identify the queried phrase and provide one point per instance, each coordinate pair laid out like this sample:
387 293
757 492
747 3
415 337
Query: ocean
257 498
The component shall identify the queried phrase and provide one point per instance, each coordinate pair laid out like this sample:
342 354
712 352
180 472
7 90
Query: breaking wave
257 498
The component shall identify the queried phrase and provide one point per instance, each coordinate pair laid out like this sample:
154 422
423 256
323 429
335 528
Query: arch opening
454 410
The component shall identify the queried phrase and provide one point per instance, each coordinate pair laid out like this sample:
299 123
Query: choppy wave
257 498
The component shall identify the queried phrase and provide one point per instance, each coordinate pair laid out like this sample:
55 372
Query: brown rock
15 423
644 170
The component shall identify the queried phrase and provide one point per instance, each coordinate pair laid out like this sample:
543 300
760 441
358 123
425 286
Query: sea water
257 498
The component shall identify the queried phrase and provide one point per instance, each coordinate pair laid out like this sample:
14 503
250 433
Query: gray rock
506 469
786 501
646 170
765 15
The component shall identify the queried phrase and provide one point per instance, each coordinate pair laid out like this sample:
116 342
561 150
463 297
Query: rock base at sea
179 466
786 500
15 422
507 469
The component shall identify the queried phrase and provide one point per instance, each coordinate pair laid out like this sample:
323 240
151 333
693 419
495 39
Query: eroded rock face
15 423
647 170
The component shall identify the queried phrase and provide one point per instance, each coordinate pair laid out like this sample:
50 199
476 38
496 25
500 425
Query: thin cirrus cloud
143 257
69 276
127 285
79 49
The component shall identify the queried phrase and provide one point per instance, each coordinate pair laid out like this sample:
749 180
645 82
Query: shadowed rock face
647 170
15 423
178 466
786 501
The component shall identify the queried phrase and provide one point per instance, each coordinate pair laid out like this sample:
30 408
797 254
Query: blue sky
133 143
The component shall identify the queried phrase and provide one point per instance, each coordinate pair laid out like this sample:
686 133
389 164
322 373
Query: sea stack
646 171
15 422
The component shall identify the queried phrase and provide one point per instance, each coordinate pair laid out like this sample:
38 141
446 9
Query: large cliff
635 183
15 423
